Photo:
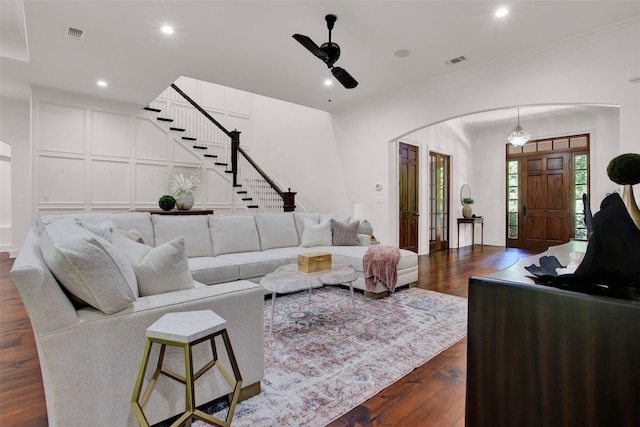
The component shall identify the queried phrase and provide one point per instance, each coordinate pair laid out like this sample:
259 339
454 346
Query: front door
408 167
439 172
546 209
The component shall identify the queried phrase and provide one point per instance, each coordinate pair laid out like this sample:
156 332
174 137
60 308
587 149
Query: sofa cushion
316 234
212 270
344 234
194 229
234 233
102 229
140 221
88 266
255 264
299 217
158 270
276 230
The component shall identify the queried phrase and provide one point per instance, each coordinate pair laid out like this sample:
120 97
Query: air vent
75 34
455 60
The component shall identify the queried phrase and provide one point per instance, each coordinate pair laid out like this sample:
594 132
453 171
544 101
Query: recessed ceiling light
102 83
328 82
167 29
401 53
503 11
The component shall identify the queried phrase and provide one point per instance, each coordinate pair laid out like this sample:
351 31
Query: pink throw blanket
380 263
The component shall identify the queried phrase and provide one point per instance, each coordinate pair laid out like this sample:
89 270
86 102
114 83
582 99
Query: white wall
5 196
14 130
594 69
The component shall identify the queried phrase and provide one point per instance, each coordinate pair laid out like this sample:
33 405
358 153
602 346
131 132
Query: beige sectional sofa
90 351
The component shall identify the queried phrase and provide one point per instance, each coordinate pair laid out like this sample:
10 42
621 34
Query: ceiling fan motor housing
333 53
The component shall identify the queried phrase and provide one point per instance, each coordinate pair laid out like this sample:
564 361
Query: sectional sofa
92 283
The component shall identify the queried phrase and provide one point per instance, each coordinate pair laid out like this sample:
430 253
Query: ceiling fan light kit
328 53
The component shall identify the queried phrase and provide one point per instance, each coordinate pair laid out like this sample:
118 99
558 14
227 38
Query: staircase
209 139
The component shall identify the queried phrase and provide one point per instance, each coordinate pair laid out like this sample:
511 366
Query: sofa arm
107 350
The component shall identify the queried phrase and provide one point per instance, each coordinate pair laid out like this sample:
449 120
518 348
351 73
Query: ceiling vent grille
455 60
75 34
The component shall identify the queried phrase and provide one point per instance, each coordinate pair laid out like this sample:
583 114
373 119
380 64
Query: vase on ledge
184 201
466 211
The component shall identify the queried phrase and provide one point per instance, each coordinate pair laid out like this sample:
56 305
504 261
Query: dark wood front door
439 195
546 211
409 168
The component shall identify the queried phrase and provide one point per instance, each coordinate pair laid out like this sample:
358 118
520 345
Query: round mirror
465 193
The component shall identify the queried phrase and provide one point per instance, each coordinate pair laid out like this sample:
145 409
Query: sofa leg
376 295
413 285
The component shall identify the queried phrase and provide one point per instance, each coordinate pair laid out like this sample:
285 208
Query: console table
542 356
177 212
473 221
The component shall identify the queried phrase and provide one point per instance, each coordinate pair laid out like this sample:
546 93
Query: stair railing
223 147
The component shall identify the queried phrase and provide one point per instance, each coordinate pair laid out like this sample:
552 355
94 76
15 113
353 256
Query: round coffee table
287 278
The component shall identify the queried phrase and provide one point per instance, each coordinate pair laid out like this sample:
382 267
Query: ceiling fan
329 53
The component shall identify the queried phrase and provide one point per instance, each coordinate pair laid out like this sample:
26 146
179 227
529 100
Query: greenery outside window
512 199
580 185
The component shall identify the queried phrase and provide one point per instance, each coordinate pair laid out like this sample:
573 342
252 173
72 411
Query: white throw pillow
299 217
88 266
159 270
316 234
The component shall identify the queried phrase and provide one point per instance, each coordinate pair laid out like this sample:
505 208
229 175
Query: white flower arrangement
180 185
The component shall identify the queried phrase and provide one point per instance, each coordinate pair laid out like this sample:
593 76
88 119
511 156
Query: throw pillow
132 234
345 235
102 229
316 234
162 269
88 266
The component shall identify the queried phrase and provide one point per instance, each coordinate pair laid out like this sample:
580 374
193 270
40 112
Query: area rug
322 363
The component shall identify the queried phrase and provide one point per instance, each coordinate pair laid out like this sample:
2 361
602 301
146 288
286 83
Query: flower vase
630 202
184 201
466 211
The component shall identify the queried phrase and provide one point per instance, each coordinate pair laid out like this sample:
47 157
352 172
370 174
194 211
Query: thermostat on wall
378 187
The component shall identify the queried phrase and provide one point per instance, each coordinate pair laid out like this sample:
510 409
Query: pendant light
518 137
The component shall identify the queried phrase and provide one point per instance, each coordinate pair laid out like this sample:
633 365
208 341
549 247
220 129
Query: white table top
287 278
186 326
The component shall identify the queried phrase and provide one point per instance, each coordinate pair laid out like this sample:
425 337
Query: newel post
289 199
235 143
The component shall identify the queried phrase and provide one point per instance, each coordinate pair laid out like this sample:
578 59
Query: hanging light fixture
518 137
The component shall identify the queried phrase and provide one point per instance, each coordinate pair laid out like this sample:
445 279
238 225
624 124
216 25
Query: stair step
242 192
199 147
177 129
237 185
215 156
189 138
164 119
253 206
247 199
228 171
155 110
221 164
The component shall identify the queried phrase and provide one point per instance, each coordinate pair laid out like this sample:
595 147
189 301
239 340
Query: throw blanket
380 263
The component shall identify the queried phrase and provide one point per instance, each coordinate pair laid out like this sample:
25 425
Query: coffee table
287 278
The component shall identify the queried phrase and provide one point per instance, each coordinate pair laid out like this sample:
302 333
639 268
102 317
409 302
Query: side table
473 221
186 329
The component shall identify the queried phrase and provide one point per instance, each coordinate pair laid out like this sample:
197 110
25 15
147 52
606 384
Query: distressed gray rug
321 364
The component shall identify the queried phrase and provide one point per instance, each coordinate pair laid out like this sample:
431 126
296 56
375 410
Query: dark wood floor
432 395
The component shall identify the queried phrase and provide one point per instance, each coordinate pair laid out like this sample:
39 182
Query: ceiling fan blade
343 77
311 46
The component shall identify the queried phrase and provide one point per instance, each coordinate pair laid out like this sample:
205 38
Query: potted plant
625 170
466 207
167 202
183 187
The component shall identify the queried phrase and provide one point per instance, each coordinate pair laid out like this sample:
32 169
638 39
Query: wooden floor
432 395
